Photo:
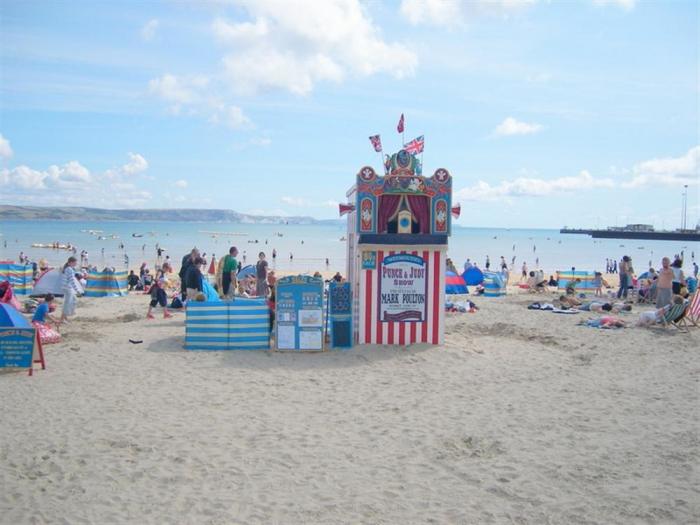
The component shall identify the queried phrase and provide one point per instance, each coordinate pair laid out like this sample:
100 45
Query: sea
305 248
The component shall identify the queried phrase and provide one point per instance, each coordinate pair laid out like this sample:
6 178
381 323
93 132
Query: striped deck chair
693 312
676 316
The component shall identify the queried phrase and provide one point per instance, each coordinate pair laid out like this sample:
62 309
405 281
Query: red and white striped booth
398 228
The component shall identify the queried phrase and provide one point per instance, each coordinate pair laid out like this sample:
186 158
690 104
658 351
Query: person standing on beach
504 264
228 273
274 254
625 277
187 260
664 284
193 278
261 288
523 276
69 286
487 265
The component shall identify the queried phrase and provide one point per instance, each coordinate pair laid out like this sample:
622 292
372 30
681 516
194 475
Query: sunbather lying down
656 316
607 321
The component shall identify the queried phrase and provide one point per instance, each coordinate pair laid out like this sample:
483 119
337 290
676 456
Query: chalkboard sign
16 347
299 313
340 295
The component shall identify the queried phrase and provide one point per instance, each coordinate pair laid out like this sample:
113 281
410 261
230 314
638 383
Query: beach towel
209 292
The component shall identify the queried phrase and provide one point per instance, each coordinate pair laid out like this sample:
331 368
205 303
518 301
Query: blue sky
546 113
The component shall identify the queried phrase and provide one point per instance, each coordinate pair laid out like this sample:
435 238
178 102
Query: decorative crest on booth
403 201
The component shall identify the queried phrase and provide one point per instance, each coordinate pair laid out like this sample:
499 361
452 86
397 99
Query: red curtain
420 208
388 206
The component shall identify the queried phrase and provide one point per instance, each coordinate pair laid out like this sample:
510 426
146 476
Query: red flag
345 208
376 142
456 210
399 128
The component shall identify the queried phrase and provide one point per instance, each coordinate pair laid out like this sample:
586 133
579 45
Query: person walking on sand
158 297
523 276
70 289
261 287
487 265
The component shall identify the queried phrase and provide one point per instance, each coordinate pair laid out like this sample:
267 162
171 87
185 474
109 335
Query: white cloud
627 5
511 126
148 31
531 187
136 164
669 171
174 89
295 201
231 116
451 13
73 184
189 95
181 183
5 148
285 45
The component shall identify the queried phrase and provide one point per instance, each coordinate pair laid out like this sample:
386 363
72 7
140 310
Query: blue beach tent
473 276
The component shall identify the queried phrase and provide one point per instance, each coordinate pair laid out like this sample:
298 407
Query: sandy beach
521 417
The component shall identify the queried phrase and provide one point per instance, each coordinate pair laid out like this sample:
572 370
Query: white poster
285 337
402 288
310 340
310 318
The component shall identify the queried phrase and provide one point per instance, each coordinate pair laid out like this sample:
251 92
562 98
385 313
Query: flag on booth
456 210
399 128
376 142
345 208
415 146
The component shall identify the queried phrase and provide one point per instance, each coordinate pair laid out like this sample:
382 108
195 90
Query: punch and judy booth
398 228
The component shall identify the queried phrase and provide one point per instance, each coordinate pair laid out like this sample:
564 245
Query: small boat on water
222 233
52 246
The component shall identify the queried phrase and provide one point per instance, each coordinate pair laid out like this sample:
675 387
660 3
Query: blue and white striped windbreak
243 324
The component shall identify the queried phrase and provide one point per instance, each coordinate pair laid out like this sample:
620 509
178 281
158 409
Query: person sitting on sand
552 282
158 297
571 286
47 335
132 280
655 316
569 301
241 291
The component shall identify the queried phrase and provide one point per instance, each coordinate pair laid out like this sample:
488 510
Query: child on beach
598 284
158 297
47 334
571 286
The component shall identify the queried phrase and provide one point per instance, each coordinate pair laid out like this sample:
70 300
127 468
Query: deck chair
675 316
693 312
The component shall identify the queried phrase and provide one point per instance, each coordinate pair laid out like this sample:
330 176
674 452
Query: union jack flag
415 146
376 142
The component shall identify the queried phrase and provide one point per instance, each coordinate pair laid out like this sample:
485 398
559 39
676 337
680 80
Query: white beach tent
51 282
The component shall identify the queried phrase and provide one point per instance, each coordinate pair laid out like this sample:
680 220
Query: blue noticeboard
16 347
340 297
299 313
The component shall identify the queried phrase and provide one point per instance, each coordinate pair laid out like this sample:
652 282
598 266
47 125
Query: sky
546 113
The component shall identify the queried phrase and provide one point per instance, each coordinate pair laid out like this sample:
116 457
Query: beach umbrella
454 284
11 318
245 272
473 276
645 275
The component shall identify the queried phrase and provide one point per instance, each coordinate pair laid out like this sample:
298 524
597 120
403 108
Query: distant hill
69 213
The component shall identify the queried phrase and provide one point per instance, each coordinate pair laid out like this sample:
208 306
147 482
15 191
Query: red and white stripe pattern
431 331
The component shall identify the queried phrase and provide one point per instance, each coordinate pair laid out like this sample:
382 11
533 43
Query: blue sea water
312 244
